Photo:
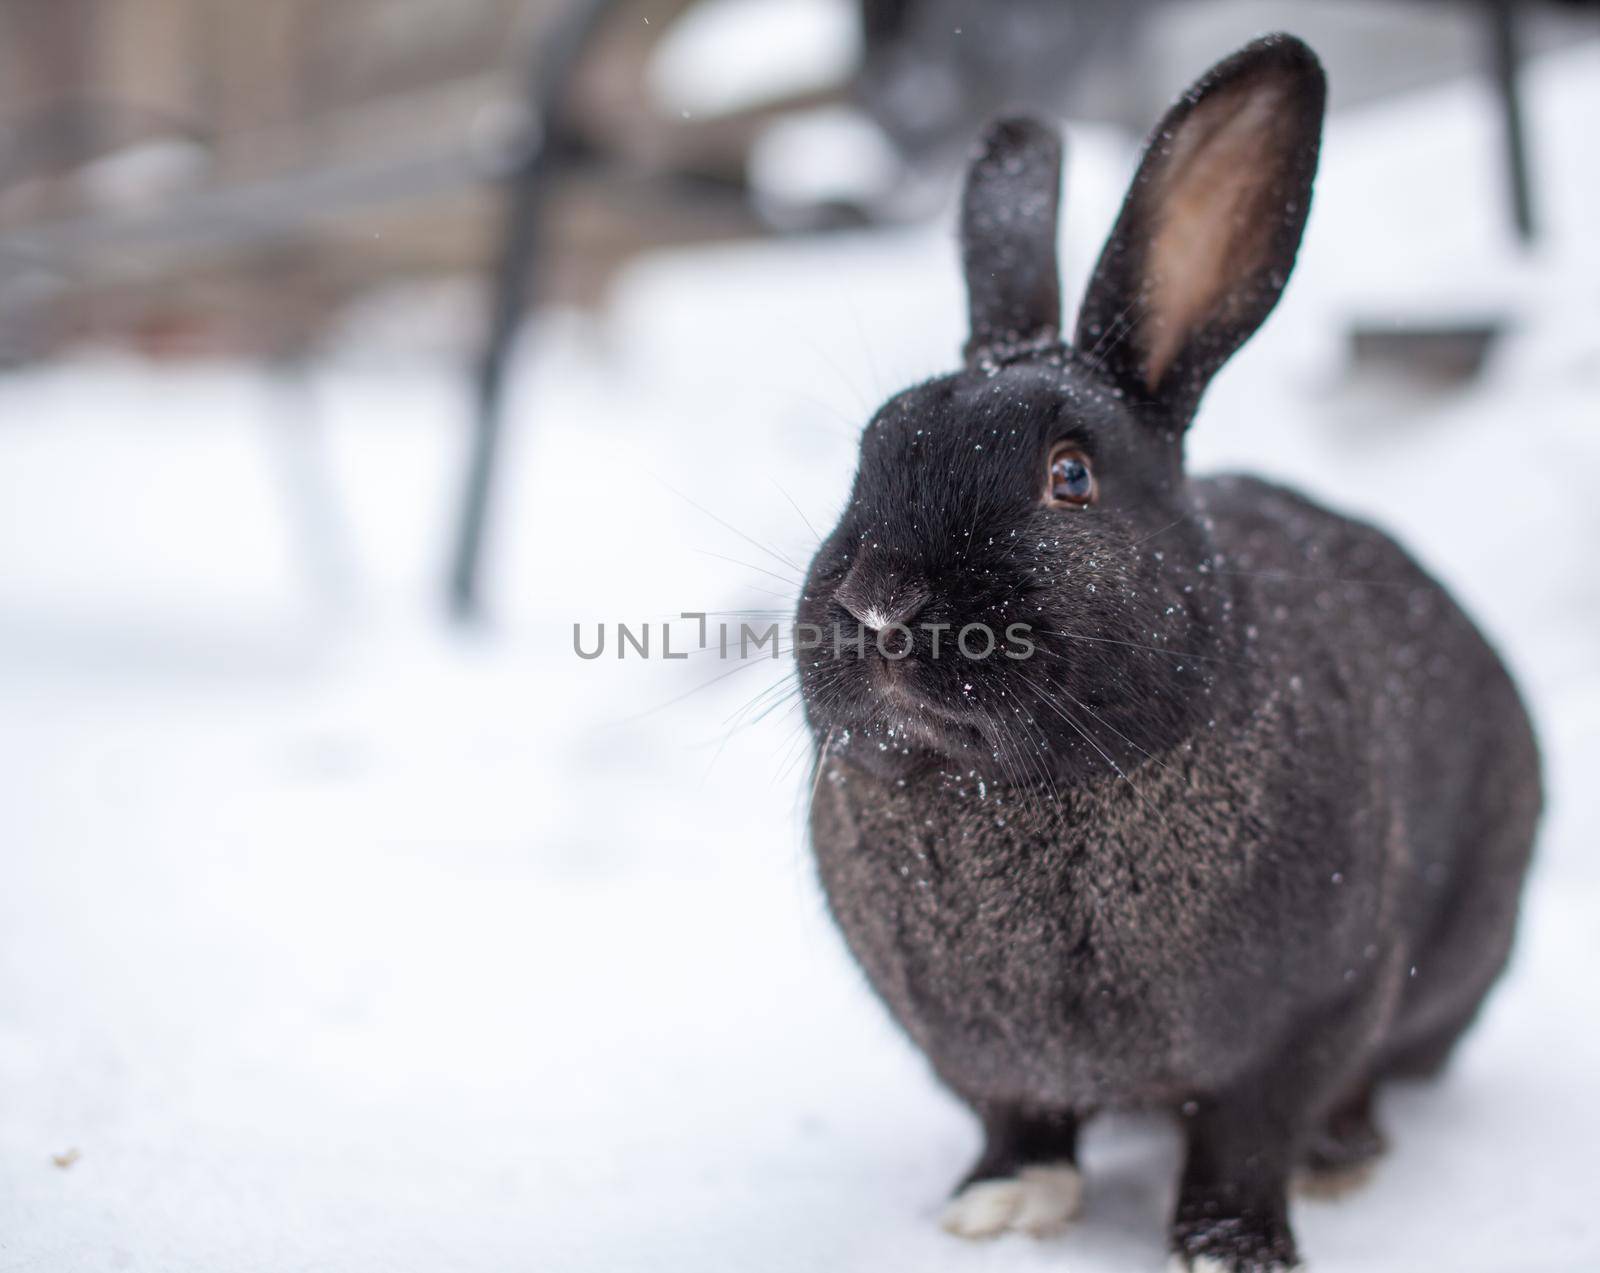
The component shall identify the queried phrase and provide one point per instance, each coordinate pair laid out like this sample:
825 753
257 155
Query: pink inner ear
1214 226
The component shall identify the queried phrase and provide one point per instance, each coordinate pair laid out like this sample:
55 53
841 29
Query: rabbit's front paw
1038 1200
1234 1244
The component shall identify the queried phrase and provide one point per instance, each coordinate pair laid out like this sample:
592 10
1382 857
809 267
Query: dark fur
1246 834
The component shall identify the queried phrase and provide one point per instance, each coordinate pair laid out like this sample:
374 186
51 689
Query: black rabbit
1233 817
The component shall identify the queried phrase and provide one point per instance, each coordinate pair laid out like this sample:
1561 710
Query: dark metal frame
514 284
1502 15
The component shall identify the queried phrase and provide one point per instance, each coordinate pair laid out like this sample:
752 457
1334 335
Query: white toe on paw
1050 1198
982 1209
1200 1264
1038 1200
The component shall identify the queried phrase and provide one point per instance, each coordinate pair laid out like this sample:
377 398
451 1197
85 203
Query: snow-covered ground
332 940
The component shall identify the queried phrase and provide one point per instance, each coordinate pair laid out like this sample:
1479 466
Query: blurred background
351 353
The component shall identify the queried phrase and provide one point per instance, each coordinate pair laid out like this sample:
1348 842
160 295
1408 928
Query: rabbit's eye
1071 482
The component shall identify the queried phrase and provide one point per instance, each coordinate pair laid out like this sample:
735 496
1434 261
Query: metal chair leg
1502 16
514 286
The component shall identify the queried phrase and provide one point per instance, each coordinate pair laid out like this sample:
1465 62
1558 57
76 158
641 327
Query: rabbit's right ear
1208 235
1009 209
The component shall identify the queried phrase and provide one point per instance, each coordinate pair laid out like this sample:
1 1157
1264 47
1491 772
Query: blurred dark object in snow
192 176
1446 353
934 71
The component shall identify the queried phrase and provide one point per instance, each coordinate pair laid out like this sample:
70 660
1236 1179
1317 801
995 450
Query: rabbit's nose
877 598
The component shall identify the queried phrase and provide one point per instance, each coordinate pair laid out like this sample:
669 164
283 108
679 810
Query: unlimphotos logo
893 641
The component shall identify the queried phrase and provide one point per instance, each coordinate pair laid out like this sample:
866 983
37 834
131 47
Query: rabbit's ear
1008 241
1209 231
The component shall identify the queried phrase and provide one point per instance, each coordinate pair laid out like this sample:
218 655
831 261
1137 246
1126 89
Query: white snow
330 940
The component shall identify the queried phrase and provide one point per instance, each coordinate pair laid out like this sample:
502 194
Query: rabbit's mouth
917 713
894 682
886 711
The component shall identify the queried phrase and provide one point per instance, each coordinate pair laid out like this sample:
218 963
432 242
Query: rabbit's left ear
1209 231
1008 241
